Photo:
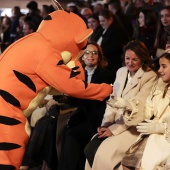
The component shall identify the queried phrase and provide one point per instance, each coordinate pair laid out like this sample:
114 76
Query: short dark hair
95 16
32 5
46 8
106 14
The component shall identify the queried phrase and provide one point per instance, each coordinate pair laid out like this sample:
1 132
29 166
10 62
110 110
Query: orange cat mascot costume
30 68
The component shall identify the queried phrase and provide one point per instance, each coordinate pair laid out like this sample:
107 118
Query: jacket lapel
95 76
134 81
122 79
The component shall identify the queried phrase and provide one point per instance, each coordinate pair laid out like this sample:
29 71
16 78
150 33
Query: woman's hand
104 132
151 127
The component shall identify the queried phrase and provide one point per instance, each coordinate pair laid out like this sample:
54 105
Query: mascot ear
83 36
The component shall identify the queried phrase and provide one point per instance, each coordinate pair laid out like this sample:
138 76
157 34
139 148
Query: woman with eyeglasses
133 82
83 123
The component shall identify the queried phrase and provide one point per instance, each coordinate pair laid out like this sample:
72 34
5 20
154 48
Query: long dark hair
150 17
150 20
161 32
142 52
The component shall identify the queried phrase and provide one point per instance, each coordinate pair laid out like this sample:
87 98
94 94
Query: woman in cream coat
155 133
134 82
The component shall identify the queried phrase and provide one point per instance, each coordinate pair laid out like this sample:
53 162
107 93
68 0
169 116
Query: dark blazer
147 36
101 75
131 12
95 109
96 34
112 44
126 22
82 126
42 145
92 110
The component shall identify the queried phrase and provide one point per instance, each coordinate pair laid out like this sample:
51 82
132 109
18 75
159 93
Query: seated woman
133 82
153 146
83 123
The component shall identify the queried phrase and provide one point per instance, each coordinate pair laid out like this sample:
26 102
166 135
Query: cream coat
112 149
157 148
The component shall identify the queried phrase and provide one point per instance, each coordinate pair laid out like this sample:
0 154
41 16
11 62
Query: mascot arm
59 77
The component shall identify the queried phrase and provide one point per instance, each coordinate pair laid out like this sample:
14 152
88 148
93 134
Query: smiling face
141 19
164 70
132 62
90 56
92 23
165 17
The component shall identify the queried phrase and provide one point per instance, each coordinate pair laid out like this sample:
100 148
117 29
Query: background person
28 28
115 7
94 24
145 30
163 31
112 40
33 14
5 33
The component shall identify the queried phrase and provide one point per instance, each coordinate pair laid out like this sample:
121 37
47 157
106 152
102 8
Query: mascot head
66 32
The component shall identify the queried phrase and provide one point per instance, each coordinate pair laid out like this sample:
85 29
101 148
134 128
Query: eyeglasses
94 53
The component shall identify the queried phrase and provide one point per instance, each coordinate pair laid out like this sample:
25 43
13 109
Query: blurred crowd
114 22
20 25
